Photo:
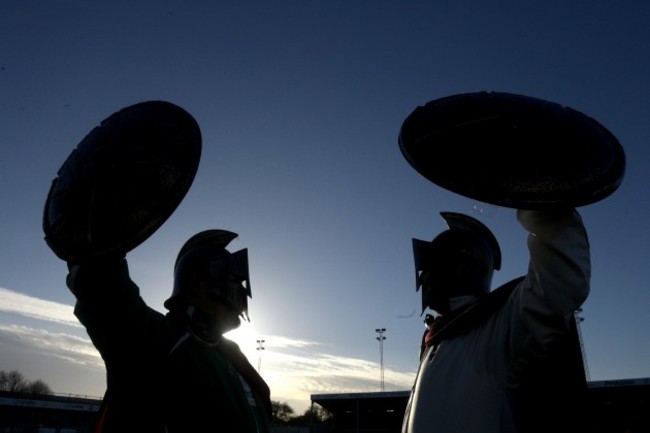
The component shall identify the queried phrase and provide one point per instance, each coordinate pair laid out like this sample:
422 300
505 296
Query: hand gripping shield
122 181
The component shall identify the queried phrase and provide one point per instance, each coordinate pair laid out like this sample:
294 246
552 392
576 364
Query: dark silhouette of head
459 261
204 269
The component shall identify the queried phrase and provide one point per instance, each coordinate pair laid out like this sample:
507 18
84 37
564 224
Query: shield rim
74 251
485 189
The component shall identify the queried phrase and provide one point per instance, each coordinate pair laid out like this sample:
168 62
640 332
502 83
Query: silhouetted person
174 372
504 360
165 373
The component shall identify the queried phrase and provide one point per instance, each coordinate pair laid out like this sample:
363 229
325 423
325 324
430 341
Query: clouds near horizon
293 368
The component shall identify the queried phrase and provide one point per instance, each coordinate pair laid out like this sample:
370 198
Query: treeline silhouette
15 381
282 413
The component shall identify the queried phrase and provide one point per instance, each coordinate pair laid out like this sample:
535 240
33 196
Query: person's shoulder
504 291
228 348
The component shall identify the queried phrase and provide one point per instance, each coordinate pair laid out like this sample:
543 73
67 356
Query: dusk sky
300 103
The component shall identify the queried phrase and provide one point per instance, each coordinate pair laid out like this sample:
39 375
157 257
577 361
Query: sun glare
247 337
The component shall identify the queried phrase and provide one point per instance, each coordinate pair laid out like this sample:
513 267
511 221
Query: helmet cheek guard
422 254
230 281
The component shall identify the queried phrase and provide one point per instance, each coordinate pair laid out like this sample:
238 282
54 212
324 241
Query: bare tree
319 413
15 381
38 387
12 381
314 414
281 412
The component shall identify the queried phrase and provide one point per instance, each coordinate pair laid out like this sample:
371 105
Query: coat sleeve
102 287
559 271
110 307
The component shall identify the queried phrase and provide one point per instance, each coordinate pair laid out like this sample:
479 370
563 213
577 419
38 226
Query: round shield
122 181
512 150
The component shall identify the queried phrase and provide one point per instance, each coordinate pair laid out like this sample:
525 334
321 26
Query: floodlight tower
260 347
381 339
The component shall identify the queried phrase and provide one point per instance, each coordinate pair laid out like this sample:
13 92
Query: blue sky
300 104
